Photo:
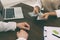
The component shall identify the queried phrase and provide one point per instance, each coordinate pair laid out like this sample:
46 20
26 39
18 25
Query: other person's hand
46 15
36 9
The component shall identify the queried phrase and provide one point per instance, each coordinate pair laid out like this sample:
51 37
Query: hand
45 15
36 9
23 25
23 34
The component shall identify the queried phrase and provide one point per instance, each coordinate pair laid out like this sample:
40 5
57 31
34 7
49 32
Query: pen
56 36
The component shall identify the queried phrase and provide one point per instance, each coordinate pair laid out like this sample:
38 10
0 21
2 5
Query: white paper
39 16
18 12
9 3
48 31
30 2
32 14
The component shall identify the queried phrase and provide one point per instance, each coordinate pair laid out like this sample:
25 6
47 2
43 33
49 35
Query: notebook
51 33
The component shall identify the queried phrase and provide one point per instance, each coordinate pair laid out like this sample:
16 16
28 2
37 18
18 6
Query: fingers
23 34
18 34
27 26
45 16
36 10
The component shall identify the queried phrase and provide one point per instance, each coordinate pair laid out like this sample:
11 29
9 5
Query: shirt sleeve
38 3
58 13
4 26
21 38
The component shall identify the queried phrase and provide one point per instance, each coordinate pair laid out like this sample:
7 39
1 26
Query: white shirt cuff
21 38
11 26
4 26
58 13
37 5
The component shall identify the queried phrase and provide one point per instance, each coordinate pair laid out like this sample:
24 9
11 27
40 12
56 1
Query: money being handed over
39 16
32 14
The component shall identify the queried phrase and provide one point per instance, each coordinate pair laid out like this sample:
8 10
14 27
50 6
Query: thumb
17 33
46 17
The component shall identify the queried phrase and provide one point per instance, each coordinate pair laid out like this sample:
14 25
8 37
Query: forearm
7 26
52 13
55 13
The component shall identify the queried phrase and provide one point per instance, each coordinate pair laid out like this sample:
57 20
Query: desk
36 32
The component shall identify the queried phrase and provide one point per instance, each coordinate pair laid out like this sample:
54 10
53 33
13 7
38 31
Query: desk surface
36 32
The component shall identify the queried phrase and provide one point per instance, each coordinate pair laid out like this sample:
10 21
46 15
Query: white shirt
4 26
38 3
9 26
21 38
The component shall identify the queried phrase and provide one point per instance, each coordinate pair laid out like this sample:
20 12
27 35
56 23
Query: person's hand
36 9
22 34
23 25
46 15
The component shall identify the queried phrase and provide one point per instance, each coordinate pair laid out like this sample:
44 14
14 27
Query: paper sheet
39 16
49 31
32 14
9 3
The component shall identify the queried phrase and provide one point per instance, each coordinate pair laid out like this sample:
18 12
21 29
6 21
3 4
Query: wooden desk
36 32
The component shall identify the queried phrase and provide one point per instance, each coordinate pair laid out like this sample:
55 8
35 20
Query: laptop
11 13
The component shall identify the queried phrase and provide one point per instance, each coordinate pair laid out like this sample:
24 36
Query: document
32 14
9 3
51 33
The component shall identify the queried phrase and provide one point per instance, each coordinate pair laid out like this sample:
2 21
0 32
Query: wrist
52 13
16 24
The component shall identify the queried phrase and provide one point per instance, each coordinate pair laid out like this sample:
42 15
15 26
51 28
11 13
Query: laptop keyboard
10 13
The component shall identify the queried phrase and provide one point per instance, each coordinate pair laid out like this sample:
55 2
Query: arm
55 13
7 26
4 26
37 6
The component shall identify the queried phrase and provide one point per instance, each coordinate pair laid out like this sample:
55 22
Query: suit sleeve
7 26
